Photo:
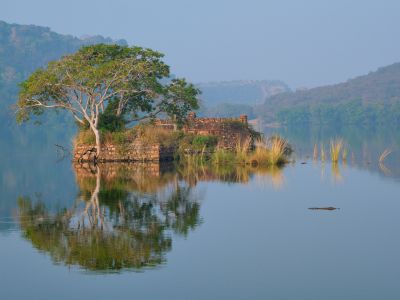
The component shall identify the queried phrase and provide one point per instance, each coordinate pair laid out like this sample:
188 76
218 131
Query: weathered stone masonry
133 152
229 131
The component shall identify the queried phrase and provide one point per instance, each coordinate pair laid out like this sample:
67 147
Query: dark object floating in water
303 163
324 208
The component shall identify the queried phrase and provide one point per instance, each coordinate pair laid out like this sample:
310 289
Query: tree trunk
98 141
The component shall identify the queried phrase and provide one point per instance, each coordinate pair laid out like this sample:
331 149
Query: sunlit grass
242 150
344 154
322 153
315 152
277 148
335 149
223 156
384 155
270 152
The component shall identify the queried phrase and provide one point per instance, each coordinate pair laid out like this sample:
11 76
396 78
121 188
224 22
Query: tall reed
242 149
322 153
277 150
315 153
384 154
335 149
270 152
344 154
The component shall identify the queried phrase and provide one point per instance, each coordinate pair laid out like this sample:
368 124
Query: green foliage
370 99
109 120
208 141
107 86
350 113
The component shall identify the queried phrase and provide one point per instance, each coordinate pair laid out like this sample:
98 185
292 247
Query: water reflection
126 215
120 221
364 145
336 174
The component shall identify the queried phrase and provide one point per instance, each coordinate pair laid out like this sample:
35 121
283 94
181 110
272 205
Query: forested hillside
24 48
370 99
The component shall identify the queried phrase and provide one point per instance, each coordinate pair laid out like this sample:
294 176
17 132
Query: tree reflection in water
117 222
125 215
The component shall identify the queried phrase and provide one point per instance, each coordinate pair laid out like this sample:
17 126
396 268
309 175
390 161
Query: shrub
209 141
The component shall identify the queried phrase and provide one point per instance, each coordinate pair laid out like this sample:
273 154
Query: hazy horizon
303 44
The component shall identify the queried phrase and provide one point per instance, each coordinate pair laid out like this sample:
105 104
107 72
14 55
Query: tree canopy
132 82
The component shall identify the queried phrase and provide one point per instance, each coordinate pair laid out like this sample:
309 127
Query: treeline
372 98
348 113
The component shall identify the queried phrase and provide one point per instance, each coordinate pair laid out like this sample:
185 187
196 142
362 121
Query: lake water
162 232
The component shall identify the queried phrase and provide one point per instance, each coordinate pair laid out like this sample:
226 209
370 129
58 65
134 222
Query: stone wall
230 131
132 152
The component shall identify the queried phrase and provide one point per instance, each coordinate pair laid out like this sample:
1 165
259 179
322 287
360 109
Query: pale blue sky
304 43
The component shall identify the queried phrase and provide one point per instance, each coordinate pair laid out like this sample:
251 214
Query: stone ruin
230 132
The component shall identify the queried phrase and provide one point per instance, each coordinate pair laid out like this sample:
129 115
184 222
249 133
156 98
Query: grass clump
384 154
335 149
242 150
222 157
150 134
86 137
323 153
273 151
315 152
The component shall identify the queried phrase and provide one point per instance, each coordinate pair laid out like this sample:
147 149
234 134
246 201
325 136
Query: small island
129 108
221 140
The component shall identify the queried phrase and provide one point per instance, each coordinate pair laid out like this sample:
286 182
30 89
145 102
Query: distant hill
231 98
24 48
248 92
372 98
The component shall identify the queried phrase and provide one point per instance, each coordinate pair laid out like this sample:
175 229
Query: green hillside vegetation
370 99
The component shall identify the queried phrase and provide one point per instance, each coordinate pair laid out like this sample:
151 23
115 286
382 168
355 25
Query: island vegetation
115 93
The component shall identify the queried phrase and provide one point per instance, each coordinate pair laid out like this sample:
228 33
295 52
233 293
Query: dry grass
222 156
315 152
271 152
242 150
384 154
277 149
84 137
323 153
155 135
120 138
335 149
344 154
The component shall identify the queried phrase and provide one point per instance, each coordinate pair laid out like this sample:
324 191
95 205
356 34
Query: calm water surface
150 232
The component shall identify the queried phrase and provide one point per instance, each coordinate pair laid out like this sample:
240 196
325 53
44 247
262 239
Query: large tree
133 81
